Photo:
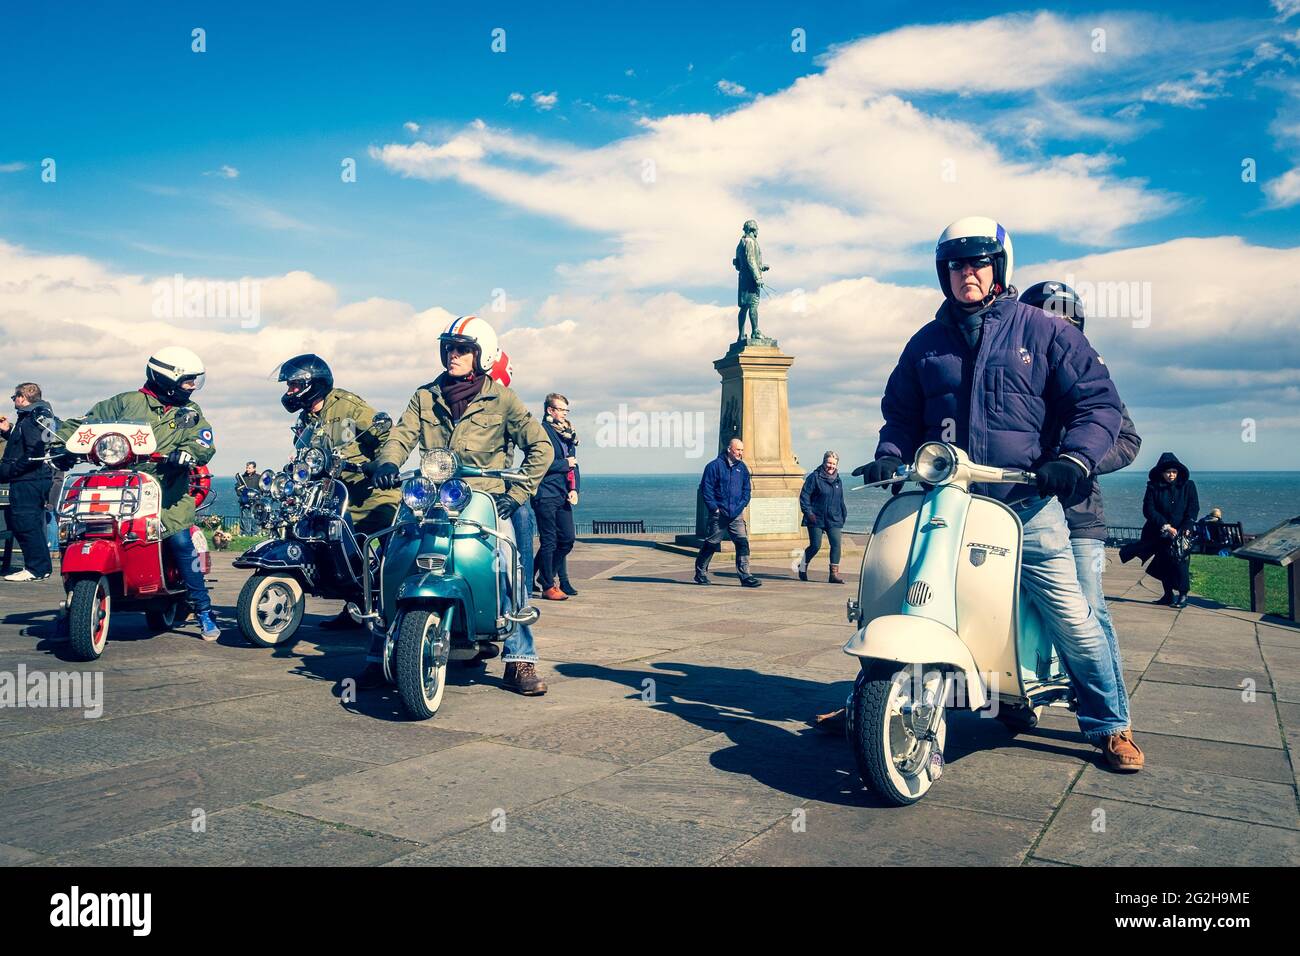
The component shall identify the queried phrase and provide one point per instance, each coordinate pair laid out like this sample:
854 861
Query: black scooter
312 548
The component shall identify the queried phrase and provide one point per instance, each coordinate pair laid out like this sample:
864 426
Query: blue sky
142 128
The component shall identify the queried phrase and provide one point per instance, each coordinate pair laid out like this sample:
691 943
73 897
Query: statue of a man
749 263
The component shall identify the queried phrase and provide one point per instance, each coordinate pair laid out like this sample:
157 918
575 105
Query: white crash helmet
477 334
973 236
168 369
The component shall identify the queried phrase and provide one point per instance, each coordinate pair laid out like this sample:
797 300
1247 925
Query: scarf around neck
564 429
459 392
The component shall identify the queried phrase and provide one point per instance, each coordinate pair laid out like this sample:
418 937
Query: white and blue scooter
941 624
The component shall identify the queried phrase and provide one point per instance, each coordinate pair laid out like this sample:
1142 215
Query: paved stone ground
721 768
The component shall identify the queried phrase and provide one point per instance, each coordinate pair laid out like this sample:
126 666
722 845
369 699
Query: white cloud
844 176
729 88
1285 190
223 172
545 101
1190 92
515 98
411 127
12 167
1286 8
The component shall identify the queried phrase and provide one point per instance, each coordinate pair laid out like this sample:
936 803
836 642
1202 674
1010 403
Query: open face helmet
307 380
170 369
476 334
971 238
1055 298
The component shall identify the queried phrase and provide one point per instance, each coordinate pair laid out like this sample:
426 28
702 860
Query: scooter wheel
88 616
164 618
892 762
1019 720
420 681
270 609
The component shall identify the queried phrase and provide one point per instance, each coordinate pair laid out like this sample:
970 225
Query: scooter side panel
476 562
883 584
988 584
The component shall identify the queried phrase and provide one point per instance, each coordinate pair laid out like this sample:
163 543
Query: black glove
368 468
506 506
65 461
386 476
1058 478
878 470
179 459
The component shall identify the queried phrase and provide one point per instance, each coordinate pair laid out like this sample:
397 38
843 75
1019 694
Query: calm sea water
1259 500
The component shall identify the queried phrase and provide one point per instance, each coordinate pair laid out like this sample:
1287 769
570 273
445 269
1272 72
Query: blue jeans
51 532
519 645
1089 563
181 548
1049 579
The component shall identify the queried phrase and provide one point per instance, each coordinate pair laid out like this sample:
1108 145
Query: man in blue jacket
725 488
1000 379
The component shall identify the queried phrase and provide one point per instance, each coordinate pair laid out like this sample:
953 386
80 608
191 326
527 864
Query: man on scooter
468 411
1083 509
999 379
172 376
348 422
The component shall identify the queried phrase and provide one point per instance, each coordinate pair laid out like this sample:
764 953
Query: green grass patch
1227 581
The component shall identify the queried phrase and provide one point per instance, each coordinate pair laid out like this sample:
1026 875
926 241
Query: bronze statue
749 263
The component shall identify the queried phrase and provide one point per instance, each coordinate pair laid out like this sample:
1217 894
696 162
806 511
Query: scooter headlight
418 494
111 450
455 494
298 471
267 480
439 465
316 462
278 484
936 462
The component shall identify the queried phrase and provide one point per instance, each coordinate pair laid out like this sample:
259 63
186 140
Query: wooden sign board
1279 546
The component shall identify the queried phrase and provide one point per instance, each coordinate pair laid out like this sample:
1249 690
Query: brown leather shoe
521 677
554 594
835 575
1122 754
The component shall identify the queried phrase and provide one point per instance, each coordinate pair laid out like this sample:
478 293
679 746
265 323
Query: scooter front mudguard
274 554
92 556
910 639
433 588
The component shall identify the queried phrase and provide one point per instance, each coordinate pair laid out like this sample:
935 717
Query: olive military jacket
494 421
347 420
178 505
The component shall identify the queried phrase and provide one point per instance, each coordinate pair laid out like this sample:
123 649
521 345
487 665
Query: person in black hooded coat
1170 507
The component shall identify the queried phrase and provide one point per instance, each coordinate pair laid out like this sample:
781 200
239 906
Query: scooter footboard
911 639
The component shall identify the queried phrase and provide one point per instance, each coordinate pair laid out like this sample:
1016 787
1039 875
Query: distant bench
1231 537
618 527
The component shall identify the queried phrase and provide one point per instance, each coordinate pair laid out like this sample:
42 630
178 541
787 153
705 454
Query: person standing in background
725 487
553 503
1170 509
247 483
29 480
822 504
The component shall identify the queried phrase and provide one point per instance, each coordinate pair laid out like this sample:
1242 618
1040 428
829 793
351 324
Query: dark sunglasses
979 262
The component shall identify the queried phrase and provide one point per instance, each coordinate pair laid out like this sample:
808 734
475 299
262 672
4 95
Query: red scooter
110 537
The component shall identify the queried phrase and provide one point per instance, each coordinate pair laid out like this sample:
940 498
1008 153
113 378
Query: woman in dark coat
553 503
1170 508
822 504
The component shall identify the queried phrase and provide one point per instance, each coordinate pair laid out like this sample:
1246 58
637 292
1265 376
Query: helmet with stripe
170 369
478 335
971 237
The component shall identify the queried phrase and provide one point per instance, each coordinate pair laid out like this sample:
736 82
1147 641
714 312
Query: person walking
247 484
1170 507
822 503
29 481
725 488
553 502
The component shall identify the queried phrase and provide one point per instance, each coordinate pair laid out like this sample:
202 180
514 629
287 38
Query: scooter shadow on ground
344 656
44 626
804 763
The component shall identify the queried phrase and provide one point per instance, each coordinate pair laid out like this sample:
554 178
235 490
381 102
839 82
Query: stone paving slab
676 732
1139 835
243 836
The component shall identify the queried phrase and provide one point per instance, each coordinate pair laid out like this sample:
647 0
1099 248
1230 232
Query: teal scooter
942 623
448 569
